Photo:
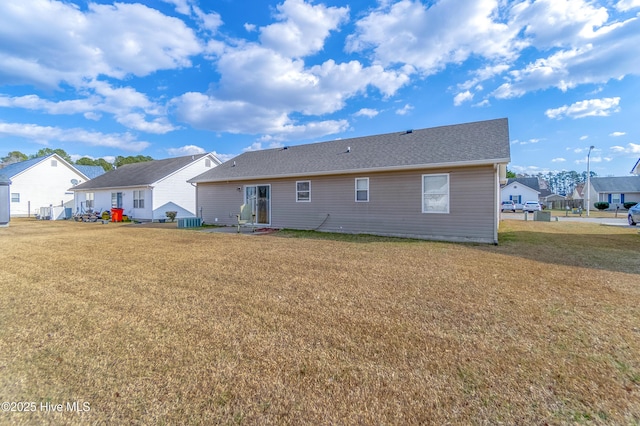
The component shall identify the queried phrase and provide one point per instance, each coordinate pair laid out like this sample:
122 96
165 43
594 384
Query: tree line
561 183
17 156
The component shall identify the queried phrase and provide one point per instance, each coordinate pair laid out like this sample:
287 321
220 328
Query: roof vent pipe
409 131
234 164
348 149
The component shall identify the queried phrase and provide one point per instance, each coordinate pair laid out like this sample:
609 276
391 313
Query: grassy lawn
166 326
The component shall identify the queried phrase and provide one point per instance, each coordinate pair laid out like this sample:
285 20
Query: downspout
196 206
496 201
152 209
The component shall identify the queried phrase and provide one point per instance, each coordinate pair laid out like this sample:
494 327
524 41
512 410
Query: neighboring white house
520 190
43 182
147 190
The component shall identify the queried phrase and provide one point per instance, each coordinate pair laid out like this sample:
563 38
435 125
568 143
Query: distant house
636 168
5 201
520 190
147 190
578 192
43 182
439 183
615 190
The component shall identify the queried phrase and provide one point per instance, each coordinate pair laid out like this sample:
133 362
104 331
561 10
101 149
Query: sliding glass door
259 197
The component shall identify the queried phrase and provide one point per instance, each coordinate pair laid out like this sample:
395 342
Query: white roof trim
490 162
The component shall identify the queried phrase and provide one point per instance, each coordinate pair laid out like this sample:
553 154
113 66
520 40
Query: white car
508 206
531 206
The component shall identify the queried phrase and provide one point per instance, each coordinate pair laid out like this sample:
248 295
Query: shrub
171 215
629 204
601 205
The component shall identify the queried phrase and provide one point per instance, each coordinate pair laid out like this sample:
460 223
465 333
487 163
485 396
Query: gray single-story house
440 183
615 190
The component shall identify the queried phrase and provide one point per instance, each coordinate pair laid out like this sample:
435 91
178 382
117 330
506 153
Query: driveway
621 220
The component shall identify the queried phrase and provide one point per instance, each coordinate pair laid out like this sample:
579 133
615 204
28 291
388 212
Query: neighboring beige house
440 183
147 190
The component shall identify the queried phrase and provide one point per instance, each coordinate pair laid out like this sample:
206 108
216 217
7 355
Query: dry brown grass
167 326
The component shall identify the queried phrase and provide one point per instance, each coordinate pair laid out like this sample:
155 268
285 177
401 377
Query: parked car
531 206
509 206
634 215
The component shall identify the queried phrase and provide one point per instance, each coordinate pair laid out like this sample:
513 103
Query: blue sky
173 77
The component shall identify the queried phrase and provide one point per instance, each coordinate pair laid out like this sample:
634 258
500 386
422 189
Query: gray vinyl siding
394 206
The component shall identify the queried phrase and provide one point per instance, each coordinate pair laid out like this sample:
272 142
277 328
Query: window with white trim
362 190
435 193
303 191
15 197
116 200
89 200
138 199
207 162
54 163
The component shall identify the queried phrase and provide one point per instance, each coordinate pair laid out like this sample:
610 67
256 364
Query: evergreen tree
48 151
13 157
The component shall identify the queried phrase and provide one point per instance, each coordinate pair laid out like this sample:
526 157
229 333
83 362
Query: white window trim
356 190
89 200
15 199
298 200
136 200
448 193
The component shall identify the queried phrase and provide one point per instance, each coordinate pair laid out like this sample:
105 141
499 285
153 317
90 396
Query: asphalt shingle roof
90 171
13 169
531 182
619 184
471 143
138 174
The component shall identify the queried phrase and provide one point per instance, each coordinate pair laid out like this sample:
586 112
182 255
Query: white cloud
462 97
631 148
207 21
46 134
303 28
558 160
137 121
186 150
617 134
366 112
404 110
224 157
588 108
210 113
553 23
626 5
90 115
128 106
47 42
590 57
527 142
429 38
182 6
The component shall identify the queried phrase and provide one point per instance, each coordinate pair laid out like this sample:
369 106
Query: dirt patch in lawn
160 325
